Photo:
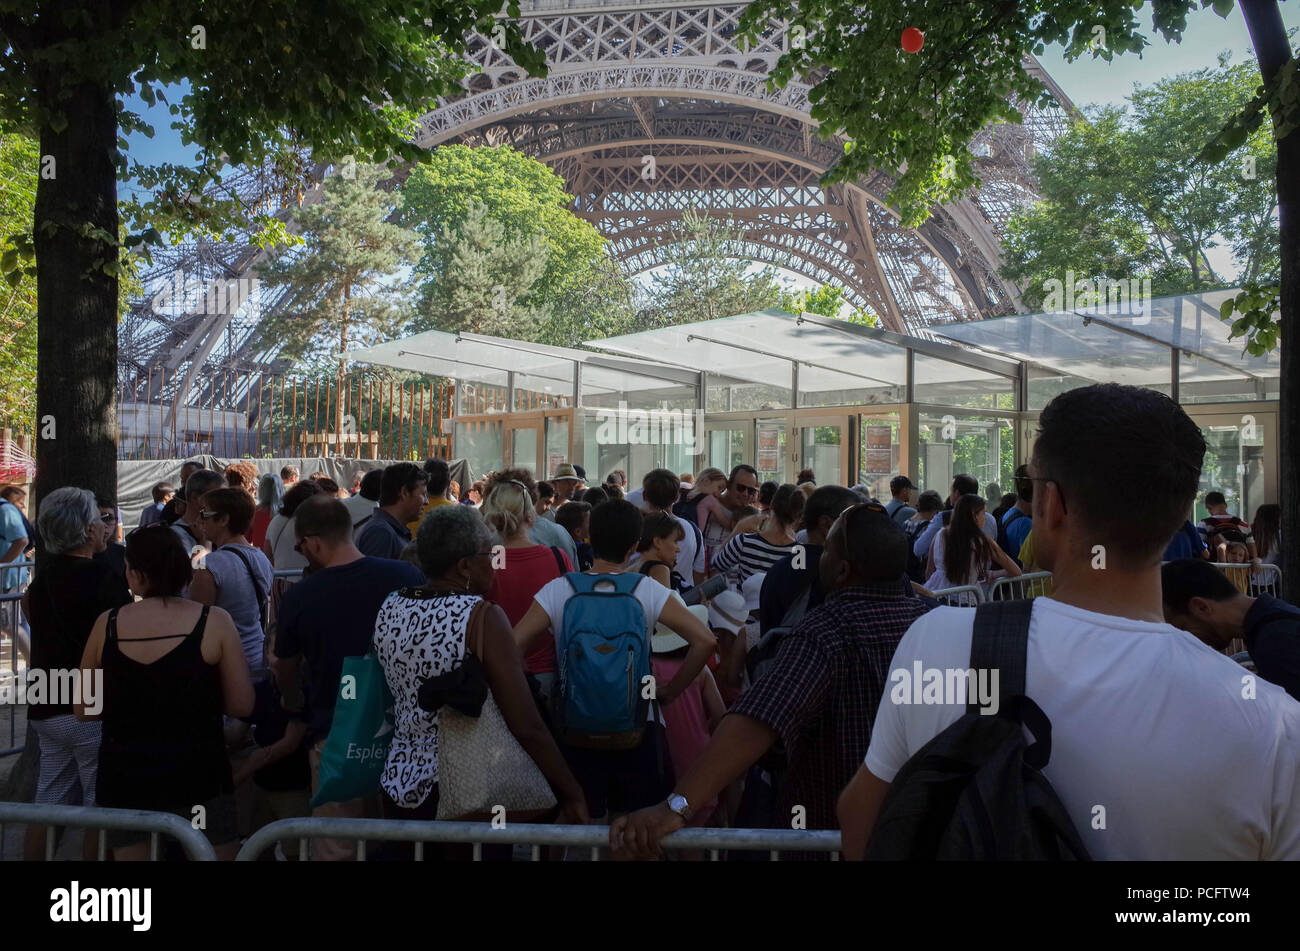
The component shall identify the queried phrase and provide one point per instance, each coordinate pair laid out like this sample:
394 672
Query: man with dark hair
362 505
114 553
787 581
439 473
289 475
742 488
660 490
565 482
401 496
328 616
1200 599
162 493
821 695
961 485
620 780
188 469
899 507
618 477
1146 724
1018 520
196 486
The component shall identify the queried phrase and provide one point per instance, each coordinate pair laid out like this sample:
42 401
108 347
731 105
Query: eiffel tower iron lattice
668 80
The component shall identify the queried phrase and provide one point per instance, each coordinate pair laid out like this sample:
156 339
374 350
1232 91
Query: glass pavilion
786 392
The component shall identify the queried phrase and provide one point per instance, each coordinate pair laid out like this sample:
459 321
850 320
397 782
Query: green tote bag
354 753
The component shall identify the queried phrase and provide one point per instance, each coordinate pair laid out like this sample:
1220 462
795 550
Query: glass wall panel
953 384
557 443
883 380
1235 461
484 393
638 441
479 444
822 451
725 448
880 452
1201 381
727 394
552 390
602 387
979 446
1045 385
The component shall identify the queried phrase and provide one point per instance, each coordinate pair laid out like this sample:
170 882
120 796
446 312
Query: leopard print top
417 635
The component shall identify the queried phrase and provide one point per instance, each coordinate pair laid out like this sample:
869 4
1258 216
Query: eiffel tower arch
653 81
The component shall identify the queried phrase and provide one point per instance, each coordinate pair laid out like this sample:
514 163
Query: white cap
728 612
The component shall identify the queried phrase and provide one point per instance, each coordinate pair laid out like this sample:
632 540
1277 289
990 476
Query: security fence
157 824
594 839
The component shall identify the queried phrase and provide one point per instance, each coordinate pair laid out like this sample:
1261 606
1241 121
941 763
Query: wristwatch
678 804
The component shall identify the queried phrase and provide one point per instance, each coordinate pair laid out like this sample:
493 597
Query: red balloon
913 40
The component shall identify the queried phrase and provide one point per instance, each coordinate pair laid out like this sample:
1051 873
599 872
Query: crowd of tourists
685 649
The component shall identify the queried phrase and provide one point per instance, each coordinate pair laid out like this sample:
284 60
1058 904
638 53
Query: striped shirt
747 555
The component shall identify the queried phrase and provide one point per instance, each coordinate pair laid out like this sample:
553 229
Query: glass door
771 452
525 440
725 445
824 448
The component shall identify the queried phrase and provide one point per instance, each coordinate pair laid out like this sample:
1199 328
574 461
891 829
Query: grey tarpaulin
137 477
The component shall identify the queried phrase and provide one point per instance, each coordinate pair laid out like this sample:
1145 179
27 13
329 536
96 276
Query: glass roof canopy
468 356
831 355
772 358
1122 344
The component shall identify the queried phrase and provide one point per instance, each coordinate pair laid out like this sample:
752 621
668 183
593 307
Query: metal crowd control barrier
195 843
1022 587
960 596
595 838
1253 579
13 665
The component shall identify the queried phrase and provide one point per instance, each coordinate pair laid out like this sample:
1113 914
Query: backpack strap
257 587
1000 642
559 561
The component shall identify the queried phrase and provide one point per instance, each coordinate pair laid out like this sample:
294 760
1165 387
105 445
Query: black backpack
976 791
1003 541
689 509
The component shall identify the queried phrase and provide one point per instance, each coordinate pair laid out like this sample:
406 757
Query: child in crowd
693 715
575 518
703 508
661 535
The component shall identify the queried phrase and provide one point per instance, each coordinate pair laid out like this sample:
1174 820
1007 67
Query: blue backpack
603 651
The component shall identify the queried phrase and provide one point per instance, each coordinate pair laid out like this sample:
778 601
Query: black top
163 746
65 598
330 615
1272 634
114 555
784 583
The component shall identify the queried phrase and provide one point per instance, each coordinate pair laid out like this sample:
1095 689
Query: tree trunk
339 410
1273 50
76 301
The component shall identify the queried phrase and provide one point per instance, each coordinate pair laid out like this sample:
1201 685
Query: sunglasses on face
298 545
109 519
205 514
747 489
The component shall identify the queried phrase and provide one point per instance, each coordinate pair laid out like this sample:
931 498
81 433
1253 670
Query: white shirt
652 595
1147 722
636 497
281 538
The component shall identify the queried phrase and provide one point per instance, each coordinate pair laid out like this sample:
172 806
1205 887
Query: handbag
354 753
481 765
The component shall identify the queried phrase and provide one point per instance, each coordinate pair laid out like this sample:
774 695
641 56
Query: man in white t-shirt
619 781
1162 748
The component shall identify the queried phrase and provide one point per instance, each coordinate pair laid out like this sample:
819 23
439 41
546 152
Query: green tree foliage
912 115
825 300
19 163
492 218
1124 198
267 81
707 274
485 279
345 279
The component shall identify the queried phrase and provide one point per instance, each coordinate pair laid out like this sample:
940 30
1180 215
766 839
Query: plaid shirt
822 691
